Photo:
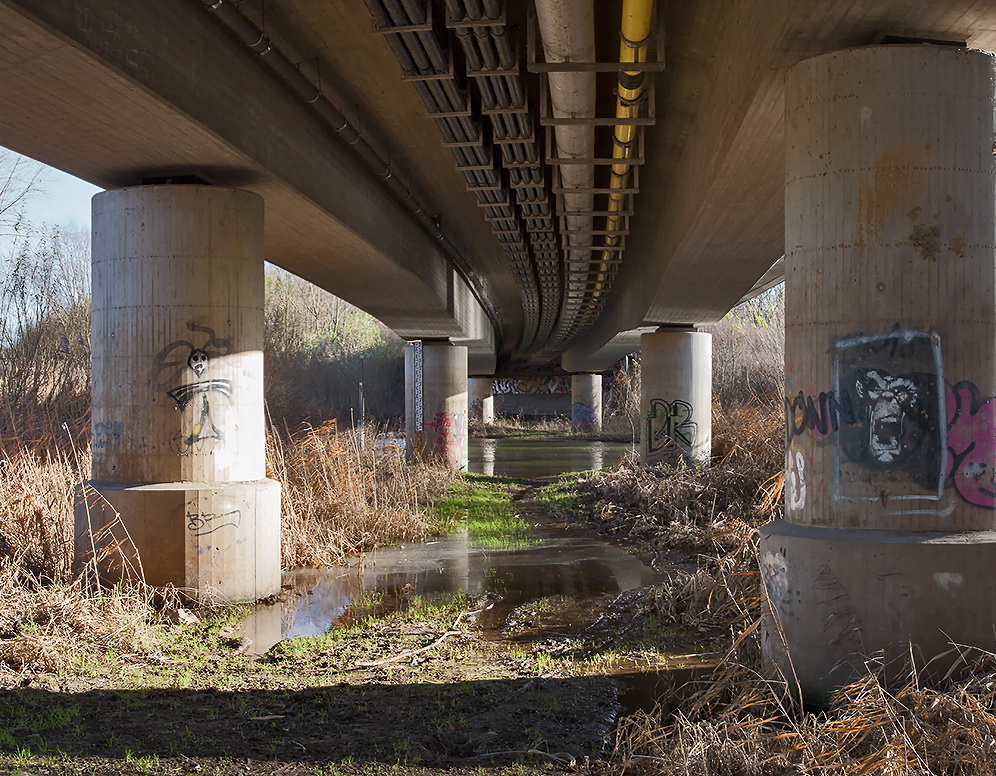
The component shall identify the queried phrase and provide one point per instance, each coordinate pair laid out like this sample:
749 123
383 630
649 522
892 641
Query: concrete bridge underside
115 93
853 137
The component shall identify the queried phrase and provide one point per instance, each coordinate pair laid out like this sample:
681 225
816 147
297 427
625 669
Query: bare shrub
622 400
748 348
45 331
340 498
316 346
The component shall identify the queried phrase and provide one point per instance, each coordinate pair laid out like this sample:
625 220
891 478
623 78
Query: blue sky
60 199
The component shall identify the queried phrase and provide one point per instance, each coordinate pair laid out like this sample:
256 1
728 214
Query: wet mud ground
406 684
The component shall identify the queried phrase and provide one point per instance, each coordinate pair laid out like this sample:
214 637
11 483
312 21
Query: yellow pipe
635 27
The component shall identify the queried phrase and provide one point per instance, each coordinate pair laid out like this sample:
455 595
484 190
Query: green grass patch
487 512
563 493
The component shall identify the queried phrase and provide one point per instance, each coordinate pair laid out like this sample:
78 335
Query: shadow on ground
375 723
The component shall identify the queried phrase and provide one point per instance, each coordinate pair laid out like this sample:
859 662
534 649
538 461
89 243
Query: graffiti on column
972 444
198 395
550 384
795 480
899 430
670 426
206 523
893 443
451 435
107 435
583 413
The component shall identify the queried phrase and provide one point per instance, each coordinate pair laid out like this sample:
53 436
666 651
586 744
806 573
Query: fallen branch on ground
415 652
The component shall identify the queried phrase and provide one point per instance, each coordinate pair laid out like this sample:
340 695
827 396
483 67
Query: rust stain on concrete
882 193
926 241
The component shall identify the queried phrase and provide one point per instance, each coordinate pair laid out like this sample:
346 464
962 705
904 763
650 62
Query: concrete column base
840 595
218 542
481 399
586 402
676 397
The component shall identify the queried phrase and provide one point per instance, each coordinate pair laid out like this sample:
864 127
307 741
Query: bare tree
20 180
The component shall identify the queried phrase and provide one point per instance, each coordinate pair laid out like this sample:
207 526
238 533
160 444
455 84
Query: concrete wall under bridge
533 405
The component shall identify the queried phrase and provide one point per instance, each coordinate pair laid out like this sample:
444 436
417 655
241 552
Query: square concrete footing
216 542
842 596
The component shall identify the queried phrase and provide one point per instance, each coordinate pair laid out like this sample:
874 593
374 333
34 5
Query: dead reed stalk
341 497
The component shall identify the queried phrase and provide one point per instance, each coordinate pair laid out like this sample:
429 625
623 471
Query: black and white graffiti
206 523
892 440
200 398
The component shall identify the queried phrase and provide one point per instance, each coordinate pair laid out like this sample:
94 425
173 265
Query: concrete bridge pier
586 401
890 484
179 493
436 402
676 396
482 399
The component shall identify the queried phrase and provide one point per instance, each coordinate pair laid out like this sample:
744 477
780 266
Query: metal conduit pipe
636 16
254 38
488 48
567 29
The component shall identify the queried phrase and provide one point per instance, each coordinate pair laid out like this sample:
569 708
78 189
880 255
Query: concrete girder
112 94
711 224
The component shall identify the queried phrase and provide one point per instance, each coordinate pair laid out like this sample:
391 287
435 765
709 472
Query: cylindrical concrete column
891 374
436 403
676 396
586 402
482 399
178 434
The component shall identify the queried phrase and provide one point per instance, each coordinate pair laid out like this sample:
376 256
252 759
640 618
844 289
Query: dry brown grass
36 510
340 499
674 505
49 626
742 722
49 621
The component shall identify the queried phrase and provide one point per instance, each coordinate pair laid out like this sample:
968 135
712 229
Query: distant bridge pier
436 402
482 399
676 396
179 492
586 401
890 484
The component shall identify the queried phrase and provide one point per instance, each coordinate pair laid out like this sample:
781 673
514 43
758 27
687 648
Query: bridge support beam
890 505
482 399
179 480
436 403
586 402
676 396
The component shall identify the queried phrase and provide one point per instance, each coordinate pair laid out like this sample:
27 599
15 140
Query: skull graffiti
198 361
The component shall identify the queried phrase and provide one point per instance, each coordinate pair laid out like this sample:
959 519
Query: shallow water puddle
528 458
554 560
568 574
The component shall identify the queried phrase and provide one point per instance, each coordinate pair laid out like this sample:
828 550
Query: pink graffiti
972 443
451 434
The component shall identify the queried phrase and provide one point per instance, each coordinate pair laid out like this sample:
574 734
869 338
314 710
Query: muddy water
528 458
555 560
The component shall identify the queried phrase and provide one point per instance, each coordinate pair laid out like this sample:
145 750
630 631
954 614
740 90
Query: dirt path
536 695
